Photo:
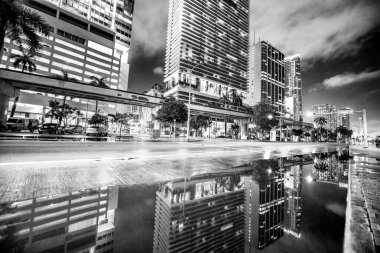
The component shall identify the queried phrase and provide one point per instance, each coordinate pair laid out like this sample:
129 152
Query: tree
158 89
54 111
225 99
345 132
261 112
67 111
98 119
122 119
26 61
320 121
236 99
297 132
64 77
200 122
235 130
98 82
21 25
172 111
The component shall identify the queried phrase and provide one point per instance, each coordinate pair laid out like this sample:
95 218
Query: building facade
214 33
203 214
264 211
329 112
344 118
87 38
293 87
266 76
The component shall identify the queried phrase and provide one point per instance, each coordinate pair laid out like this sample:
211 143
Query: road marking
118 158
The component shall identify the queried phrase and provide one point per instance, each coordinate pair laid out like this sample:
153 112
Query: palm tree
17 22
235 130
64 77
55 110
26 60
236 98
320 121
224 99
98 82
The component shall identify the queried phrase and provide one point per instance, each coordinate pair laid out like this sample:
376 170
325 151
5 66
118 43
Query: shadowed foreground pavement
32 169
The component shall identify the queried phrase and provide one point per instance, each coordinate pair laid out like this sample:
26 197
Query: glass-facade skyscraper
293 86
266 76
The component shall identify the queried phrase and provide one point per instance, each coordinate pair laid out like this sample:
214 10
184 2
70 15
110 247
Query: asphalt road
29 169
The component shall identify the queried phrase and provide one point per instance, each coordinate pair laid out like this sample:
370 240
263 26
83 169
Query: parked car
50 128
74 129
96 131
17 124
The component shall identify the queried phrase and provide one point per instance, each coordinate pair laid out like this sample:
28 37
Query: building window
71 36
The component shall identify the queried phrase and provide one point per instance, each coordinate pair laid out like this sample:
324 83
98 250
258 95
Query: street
30 169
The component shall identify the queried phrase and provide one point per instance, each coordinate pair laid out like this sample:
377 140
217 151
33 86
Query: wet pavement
363 214
233 202
36 169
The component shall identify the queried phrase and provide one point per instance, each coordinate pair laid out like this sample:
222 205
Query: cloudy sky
338 41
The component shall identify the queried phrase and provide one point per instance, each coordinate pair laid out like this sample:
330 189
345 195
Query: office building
329 112
212 32
266 76
293 87
203 214
87 38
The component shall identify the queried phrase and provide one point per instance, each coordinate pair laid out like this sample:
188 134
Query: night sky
338 41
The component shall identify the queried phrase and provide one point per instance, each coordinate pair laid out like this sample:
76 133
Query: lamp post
188 106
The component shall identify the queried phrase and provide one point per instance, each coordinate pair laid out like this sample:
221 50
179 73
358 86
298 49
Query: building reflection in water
244 210
331 168
80 221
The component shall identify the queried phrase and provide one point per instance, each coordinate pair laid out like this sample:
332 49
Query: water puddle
293 204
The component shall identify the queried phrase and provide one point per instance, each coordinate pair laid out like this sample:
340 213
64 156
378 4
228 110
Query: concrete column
4 103
6 92
244 131
273 134
157 129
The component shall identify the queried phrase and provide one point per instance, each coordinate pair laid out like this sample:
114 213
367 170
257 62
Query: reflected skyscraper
330 169
293 200
264 206
202 214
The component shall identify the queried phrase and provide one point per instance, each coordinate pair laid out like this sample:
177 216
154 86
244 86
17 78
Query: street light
188 106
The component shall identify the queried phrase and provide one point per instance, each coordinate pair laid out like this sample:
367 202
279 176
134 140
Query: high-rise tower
293 86
214 33
266 76
329 112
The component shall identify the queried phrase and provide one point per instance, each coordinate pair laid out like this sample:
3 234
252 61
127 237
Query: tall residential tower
293 86
329 112
213 33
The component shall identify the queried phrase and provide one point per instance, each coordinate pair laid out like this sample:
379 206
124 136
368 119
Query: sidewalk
362 232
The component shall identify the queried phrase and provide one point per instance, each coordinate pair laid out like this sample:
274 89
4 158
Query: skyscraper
344 118
214 33
328 112
266 76
293 86
88 38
